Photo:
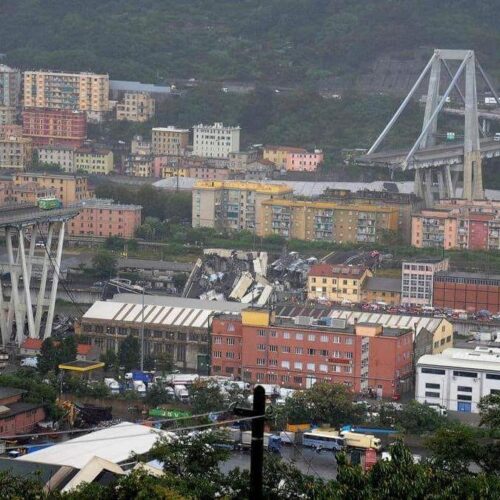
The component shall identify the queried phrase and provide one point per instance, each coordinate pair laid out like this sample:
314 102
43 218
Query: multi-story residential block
457 379
238 161
336 283
8 115
6 195
304 162
322 220
31 192
94 160
417 279
103 218
296 352
76 91
140 146
233 205
10 86
215 141
11 130
69 188
63 156
279 154
169 140
15 152
467 291
136 107
406 203
55 126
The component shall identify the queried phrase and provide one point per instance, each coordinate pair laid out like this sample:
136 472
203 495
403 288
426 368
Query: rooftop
170 128
106 204
116 444
216 125
17 408
81 366
332 205
481 358
383 284
244 186
9 392
36 345
330 270
424 260
463 274
130 86
288 149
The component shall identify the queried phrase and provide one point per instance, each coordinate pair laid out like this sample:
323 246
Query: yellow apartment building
328 221
15 152
234 205
337 283
278 154
68 188
169 140
94 161
136 107
59 90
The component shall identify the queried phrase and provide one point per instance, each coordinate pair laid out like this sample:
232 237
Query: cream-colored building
15 152
94 161
234 205
215 141
8 115
59 90
330 221
337 283
64 156
136 107
169 140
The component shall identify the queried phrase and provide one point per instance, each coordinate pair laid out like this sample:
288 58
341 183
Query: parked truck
363 441
271 442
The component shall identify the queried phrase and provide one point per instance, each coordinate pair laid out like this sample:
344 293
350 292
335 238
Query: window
432 386
336 368
464 374
217 340
286 348
493 376
336 339
273 362
464 397
434 371
230 341
311 338
297 365
348 340
273 348
299 336
297 380
323 352
323 368
311 352
285 364
230 355
286 335
299 350
324 338
311 366
261 347
431 394
285 378
347 369
349 355
261 333
463 388
261 362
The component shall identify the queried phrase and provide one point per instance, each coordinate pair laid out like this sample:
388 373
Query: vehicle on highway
323 439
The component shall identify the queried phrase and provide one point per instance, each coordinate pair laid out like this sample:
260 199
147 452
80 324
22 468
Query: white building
457 379
215 141
417 281
64 156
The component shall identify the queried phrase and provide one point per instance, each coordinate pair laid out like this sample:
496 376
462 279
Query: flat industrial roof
463 358
116 444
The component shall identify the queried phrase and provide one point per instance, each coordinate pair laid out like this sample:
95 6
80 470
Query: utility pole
257 448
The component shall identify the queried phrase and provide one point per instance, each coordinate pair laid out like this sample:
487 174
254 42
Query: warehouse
172 325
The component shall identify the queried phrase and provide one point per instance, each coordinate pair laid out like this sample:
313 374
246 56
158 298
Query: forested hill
279 41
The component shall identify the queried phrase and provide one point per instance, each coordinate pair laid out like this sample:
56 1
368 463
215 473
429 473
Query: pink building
304 161
101 218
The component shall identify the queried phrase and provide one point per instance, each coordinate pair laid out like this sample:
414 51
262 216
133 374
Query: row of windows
459 373
311 337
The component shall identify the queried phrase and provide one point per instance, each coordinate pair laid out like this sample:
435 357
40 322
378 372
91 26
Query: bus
322 438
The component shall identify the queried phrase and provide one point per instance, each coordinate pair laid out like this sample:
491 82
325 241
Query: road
306 460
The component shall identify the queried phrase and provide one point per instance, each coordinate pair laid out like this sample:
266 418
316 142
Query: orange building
101 218
297 352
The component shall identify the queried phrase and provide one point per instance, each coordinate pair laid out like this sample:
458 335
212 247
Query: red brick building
17 417
259 347
55 126
468 291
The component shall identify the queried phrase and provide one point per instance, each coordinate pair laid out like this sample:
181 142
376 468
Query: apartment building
11 130
87 92
279 154
169 140
233 205
69 188
467 291
417 279
304 162
140 146
238 161
94 160
6 195
215 141
10 87
103 218
55 126
8 115
262 347
63 156
381 291
406 203
15 152
457 379
136 107
475 226
329 221
336 283
31 192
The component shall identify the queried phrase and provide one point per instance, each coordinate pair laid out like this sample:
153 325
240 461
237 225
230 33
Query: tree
489 409
129 353
165 362
67 349
416 417
104 264
110 360
157 396
205 396
48 358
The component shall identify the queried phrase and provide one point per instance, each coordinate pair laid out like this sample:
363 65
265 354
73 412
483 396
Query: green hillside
282 41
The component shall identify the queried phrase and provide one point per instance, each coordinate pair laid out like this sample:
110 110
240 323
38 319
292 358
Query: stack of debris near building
245 277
